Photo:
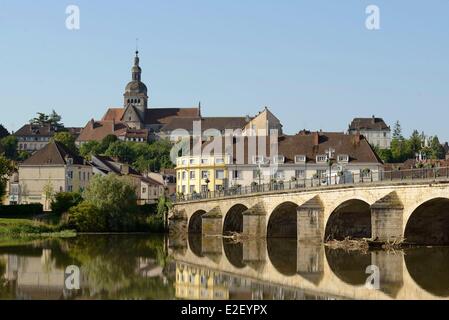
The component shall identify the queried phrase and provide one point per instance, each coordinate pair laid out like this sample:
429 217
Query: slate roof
372 123
53 154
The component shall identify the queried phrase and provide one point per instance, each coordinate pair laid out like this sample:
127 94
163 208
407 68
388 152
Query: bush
155 224
86 217
63 201
21 210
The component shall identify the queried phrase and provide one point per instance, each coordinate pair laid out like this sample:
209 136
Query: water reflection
147 267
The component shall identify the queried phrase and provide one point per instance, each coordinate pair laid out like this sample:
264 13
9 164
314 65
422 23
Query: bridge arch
233 221
428 223
195 222
351 218
283 221
348 266
283 255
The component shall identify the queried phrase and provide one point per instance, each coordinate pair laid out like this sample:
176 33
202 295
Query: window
179 175
183 189
184 175
279 174
70 174
144 190
236 174
259 159
321 173
343 158
192 161
219 174
204 161
204 174
300 158
204 188
300 173
192 175
321 158
219 161
279 159
192 189
184 162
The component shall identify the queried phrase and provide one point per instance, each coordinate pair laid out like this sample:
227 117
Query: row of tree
429 147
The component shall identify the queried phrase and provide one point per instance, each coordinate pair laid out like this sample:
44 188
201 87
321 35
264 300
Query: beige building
50 170
375 130
307 158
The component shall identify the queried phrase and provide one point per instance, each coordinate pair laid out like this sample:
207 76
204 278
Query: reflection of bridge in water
212 268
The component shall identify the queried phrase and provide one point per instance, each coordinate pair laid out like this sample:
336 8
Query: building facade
306 159
375 130
50 170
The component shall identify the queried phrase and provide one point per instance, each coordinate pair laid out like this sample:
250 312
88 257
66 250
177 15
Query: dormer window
343 158
279 159
321 158
300 159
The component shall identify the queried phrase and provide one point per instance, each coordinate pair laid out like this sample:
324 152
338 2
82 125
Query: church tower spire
135 96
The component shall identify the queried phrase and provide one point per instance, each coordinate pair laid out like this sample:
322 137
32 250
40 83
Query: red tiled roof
165 115
98 130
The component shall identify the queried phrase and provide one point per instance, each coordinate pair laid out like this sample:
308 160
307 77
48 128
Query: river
157 267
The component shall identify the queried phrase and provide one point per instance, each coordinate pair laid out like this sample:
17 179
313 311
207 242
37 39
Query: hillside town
134 140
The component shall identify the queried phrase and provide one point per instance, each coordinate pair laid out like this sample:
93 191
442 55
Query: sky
313 63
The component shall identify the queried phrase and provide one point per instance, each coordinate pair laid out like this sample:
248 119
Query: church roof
219 123
98 130
165 115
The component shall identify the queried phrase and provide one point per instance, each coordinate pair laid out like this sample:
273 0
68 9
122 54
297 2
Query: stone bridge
415 210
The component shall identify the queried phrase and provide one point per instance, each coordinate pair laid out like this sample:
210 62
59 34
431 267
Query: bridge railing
369 177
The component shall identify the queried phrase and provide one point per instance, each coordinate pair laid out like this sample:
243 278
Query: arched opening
429 223
194 230
283 221
349 266
234 219
283 255
234 253
196 222
351 219
429 268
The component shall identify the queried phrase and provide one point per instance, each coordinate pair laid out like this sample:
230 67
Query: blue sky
312 62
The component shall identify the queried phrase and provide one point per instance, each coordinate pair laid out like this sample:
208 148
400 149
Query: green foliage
87 217
89 149
3 132
436 149
21 227
114 196
23 155
21 210
67 139
107 141
143 156
53 119
6 169
8 146
63 201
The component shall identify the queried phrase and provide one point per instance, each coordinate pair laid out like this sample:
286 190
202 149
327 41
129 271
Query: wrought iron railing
369 177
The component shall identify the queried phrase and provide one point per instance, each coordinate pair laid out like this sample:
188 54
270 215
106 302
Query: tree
53 119
63 201
164 205
3 132
90 148
86 217
397 131
107 141
9 147
48 191
67 139
415 142
115 196
6 169
121 150
436 149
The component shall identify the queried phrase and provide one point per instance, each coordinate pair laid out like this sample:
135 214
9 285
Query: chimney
124 169
373 119
316 138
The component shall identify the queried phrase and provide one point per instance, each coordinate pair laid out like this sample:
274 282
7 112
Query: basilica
138 121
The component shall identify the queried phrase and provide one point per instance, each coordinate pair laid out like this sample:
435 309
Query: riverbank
23 228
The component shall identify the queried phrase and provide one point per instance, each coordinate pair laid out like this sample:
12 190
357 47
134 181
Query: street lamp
207 186
330 154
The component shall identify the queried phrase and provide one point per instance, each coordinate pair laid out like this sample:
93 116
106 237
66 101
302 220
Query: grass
30 228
